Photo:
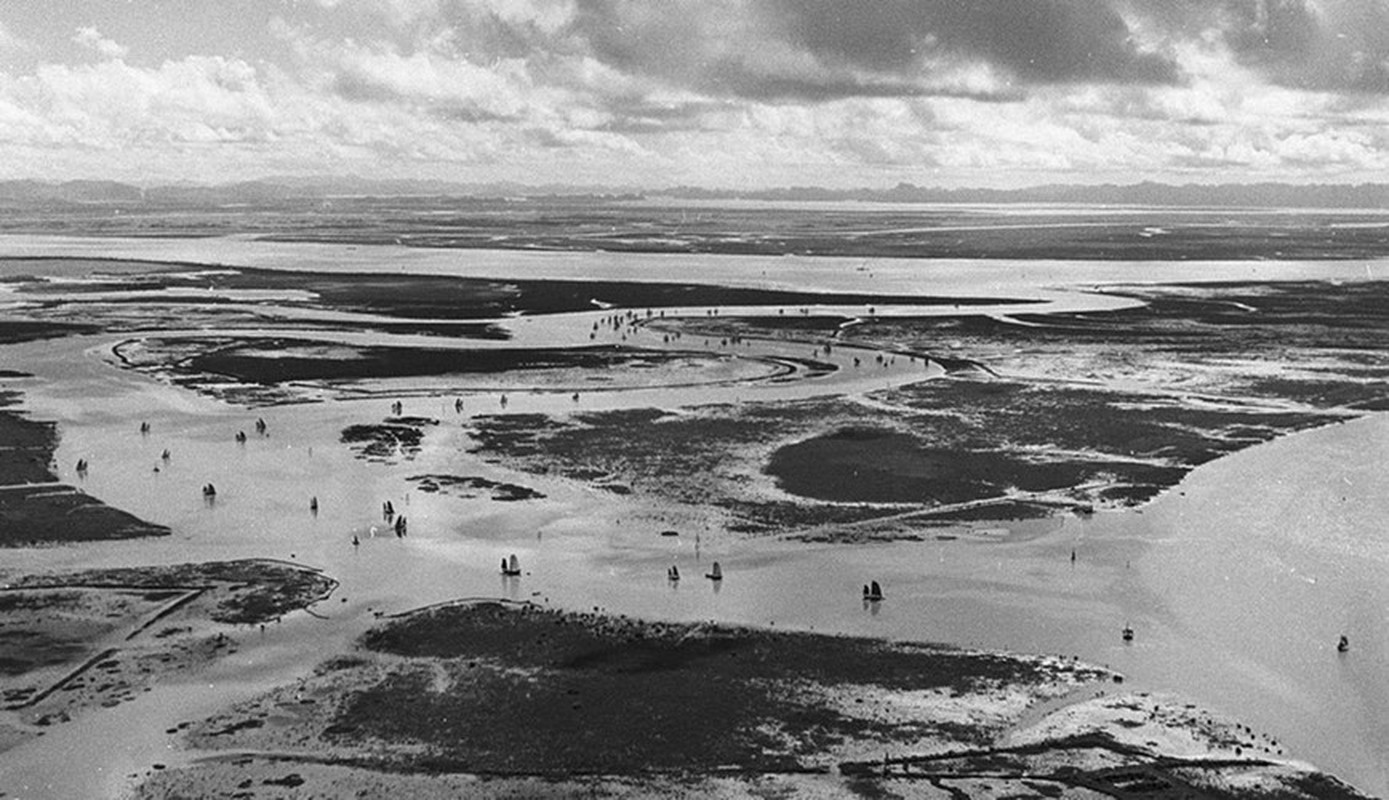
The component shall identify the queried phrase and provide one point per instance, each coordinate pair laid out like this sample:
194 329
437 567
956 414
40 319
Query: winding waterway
1238 581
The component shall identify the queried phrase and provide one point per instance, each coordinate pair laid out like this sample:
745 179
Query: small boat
511 567
714 573
670 533
1128 633
673 574
313 504
400 526
209 491
1343 645
873 592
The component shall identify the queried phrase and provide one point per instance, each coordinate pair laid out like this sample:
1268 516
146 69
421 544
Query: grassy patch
492 687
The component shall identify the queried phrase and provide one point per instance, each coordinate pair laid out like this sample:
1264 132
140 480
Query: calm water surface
1238 582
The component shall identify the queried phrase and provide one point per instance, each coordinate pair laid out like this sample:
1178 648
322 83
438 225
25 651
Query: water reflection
511 587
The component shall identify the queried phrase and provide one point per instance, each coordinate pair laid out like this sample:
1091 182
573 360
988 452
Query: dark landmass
465 486
884 466
487 697
26 446
57 513
266 360
397 439
12 330
497 688
256 590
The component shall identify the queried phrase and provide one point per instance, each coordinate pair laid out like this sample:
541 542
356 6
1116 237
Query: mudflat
955 445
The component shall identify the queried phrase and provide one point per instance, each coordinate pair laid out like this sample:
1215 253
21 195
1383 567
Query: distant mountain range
270 191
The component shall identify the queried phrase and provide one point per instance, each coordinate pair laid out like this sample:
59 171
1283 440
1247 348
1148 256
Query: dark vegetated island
876 465
509 693
532 690
255 590
270 361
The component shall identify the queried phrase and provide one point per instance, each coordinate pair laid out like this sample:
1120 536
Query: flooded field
1238 540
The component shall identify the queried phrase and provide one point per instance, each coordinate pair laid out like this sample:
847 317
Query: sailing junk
873 592
511 566
714 574
673 574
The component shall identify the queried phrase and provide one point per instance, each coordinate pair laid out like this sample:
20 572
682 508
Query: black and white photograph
738 399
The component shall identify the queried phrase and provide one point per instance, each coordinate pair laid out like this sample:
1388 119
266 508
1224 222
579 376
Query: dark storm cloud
1039 41
813 50
1334 45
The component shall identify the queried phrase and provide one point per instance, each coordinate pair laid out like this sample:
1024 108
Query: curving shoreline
572 585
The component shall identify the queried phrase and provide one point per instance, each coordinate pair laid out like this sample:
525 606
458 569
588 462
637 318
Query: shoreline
1016 586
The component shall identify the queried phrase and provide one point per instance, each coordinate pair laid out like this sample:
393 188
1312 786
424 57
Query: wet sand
582 549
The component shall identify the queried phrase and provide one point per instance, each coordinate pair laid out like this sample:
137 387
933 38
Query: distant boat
670 533
511 566
1343 645
1128 634
873 592
714 574
673 574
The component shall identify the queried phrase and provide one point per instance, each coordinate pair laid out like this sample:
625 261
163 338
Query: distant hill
29 192
271 191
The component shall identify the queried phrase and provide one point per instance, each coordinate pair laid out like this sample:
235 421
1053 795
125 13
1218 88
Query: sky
719 93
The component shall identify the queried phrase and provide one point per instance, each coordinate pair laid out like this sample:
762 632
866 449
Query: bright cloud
92 39
722 92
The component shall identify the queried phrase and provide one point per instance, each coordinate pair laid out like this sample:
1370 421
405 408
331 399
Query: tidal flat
1030 456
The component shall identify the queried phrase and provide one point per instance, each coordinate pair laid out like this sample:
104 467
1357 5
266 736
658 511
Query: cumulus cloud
722 91
1322 45
92 39
9 41
820 50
